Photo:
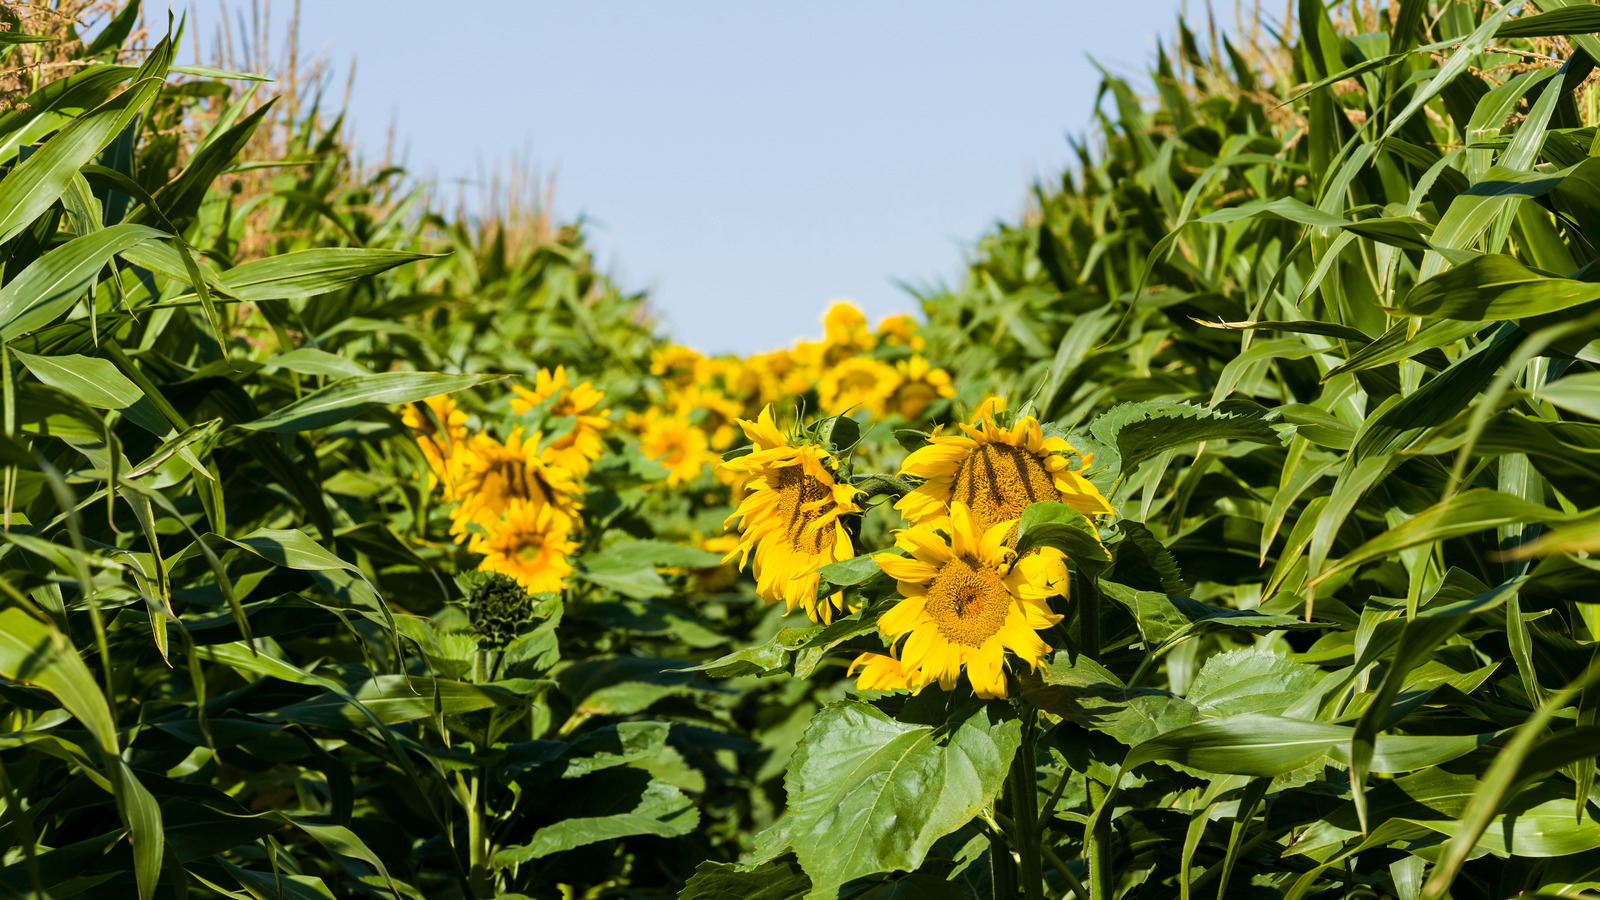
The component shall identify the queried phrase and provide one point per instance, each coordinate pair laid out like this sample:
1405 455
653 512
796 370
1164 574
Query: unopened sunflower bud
499 607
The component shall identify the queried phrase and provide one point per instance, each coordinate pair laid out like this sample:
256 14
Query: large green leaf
779 879
51 284
306 273
98 383
662 811
1495 286
1137 432
353 396
870 794
38 181
391 699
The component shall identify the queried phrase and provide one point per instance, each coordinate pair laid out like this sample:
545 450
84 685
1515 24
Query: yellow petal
902 569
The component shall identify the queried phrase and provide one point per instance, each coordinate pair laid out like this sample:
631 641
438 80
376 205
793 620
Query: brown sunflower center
795 489
968 602
998 481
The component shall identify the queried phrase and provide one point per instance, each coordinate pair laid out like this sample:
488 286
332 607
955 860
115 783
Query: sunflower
967 599
677 365
439 448
791 517
915 386
878 673
492 475
860 381
530 542
576 450
675 442
997 472
719 411
845 332
899 331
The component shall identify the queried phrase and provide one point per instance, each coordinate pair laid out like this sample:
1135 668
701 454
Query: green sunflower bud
499 608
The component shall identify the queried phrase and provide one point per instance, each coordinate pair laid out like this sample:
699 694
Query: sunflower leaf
869 794
1132 433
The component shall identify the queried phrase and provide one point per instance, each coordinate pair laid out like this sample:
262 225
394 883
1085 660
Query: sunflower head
899 331
914 387
530 543
997 471
845 331
675 442
576 450
712 410
491 475
792 516
677 365
966 600
859 381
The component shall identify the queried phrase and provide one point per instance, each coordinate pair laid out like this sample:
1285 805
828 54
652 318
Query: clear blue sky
745 162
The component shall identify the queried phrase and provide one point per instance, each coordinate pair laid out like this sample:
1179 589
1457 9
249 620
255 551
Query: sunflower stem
1097 843
1002 868
1022 794
1088 597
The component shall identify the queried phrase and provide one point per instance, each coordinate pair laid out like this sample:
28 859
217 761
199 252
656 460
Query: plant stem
1087 591
1002 868
1097 844
1023 794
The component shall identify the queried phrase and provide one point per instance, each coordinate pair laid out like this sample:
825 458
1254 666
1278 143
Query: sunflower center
795 489
998 481
968 602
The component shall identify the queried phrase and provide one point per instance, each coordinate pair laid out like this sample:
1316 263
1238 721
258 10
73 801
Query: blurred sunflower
860 381
492 475
673 441
914 388
997 472
576 450
677 365
791 517
719 412
439 446
530 543
966 600
845 332
899 331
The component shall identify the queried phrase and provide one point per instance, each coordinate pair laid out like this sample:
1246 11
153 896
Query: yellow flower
967 599
675 443
492 475
440 449
915 387
878 673
899 331
997 472
791 517
576 450
677 365
860 381
530 543
720 413
845 331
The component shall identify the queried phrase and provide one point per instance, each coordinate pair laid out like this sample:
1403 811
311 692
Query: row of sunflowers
793 499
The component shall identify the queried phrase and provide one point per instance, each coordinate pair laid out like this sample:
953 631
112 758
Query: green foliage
1323 311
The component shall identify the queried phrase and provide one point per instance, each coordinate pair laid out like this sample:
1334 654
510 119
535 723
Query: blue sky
746 163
